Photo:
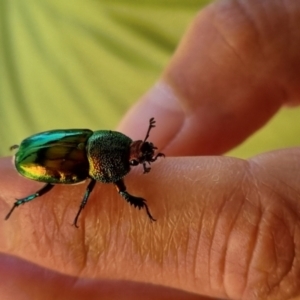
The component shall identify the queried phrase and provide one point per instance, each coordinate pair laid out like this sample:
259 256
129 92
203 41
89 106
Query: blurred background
82 64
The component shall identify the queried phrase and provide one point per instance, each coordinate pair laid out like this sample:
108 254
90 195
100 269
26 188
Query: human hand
225 227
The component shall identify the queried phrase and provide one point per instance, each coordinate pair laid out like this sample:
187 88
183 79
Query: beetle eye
134 162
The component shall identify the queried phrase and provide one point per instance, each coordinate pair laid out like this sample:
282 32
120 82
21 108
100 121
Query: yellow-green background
82 64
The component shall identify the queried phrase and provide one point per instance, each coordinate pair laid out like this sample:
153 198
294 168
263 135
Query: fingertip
161 103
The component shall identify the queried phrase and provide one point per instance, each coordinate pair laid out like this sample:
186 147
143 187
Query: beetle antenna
151 125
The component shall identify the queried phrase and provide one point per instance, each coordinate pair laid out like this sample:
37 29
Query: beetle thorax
108 153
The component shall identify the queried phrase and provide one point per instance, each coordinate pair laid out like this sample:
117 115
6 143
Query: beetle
74 155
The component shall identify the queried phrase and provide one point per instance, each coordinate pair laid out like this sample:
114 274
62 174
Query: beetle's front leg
156 156
146 169
135 201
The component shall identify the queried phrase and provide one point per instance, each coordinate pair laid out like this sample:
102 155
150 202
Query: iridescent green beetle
74 155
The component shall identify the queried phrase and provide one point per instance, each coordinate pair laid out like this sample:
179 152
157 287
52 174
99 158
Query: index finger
225 227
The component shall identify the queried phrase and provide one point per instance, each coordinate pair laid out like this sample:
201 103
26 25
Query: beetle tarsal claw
136 202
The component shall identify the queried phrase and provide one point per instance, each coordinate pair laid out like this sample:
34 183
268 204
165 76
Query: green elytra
74 155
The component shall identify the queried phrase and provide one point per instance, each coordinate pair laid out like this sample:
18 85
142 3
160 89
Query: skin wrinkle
242 10
294 260
114 236
197 247
226 41
251 258
171 239
285 274
270 285
177 265
49 240
226 248
183 104
125 235
270 174
289 269
118 233
142 248
187 246
154 241
256 188
182 242
246 8
56 215
218 213
252 168
85 250
179 130
40 234
146 245
96 253
171 246
223 267
193 243
231 47
203 226
147 254
162 254
161 260
186 106
295 247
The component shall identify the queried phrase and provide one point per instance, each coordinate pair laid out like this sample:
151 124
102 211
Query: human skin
226 228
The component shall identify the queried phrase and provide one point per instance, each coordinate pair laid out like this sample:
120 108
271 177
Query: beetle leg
46 188
146 169
156 156
135 201
84 200
13 147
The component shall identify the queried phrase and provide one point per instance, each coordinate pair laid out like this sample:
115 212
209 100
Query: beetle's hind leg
46 188
135 201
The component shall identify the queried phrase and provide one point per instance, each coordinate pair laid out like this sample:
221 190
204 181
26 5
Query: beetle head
142 152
